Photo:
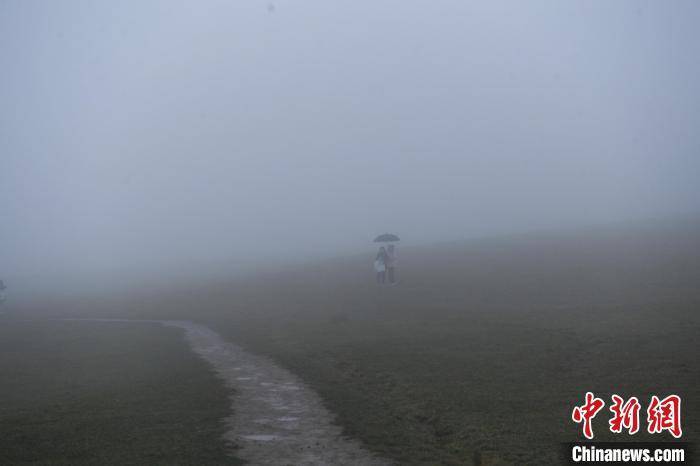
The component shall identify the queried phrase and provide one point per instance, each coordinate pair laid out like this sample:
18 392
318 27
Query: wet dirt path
275 419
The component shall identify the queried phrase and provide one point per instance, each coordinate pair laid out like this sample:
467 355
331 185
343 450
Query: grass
484 348
79 393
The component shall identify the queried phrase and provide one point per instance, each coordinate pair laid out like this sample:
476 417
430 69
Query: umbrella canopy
386 238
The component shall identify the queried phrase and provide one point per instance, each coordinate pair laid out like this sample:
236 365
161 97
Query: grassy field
485 346
80 393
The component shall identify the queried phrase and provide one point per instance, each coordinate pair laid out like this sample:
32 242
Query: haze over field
182 176
176 135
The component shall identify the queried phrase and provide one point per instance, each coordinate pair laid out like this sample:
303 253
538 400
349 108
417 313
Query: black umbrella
386 238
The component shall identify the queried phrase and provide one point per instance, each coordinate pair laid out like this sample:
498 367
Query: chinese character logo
665 415
662 415
587 412
625 415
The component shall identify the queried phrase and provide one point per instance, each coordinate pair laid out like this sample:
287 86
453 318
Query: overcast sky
147 133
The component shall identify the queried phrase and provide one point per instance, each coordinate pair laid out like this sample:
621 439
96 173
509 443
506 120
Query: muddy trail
275 419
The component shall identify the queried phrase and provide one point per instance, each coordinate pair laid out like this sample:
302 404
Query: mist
175 136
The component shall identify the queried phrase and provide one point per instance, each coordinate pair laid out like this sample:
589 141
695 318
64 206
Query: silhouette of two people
385 265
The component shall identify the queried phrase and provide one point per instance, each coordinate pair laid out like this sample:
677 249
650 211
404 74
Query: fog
181 135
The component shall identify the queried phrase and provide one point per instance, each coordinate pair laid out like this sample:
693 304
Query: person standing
391 264
380 265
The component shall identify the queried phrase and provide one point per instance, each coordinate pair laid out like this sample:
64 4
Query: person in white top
380 265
